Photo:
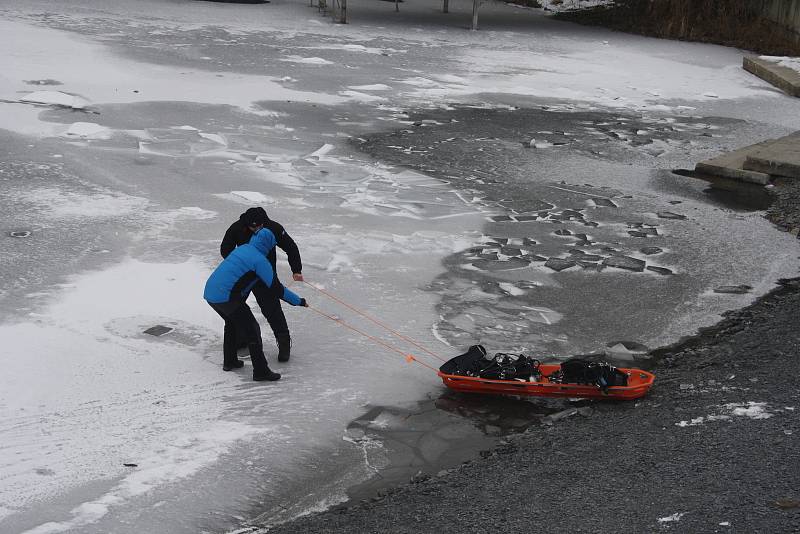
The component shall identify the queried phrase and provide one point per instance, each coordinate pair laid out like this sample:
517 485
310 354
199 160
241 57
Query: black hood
254 216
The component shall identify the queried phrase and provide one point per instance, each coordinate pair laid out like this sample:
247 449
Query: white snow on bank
569 5
674 518
788 62
751 409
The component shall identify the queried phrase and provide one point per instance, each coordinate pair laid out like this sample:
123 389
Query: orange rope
377 322
408 357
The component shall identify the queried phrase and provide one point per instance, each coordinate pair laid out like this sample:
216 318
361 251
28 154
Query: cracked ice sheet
91 71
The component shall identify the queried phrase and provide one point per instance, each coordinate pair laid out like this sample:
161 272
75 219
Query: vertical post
397 5
343 17
475 5
446 6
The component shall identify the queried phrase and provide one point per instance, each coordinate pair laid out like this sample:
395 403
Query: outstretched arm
265 272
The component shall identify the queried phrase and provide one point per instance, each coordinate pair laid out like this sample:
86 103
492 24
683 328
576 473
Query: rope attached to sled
408 357
377 322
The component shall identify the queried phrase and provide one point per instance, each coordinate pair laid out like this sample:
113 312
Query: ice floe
253 196
88 130
307 60
56 98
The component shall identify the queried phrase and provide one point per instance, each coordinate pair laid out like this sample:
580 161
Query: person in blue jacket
226 291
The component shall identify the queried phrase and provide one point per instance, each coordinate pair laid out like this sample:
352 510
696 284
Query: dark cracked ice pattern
569 259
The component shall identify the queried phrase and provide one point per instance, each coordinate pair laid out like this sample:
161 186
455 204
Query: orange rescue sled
639 383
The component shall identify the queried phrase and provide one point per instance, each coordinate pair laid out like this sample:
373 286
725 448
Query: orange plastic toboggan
639 383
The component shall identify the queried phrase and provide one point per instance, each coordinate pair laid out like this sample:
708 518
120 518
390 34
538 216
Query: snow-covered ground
134 133
784 61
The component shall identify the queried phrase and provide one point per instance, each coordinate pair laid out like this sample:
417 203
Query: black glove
303 303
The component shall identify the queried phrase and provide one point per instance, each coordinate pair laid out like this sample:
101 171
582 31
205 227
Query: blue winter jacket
235 277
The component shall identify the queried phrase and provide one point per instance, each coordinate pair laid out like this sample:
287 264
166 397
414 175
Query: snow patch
193 212
784 61
753 410
371 87
361 97
674 518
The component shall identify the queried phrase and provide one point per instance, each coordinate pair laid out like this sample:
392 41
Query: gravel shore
712 448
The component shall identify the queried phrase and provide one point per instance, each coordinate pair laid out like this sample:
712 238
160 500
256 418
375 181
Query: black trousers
271 309
270 306
239 319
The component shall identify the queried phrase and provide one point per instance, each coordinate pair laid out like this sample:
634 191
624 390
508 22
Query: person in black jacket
239 233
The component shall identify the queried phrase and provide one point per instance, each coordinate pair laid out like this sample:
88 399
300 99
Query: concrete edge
771 166
742 175
783 78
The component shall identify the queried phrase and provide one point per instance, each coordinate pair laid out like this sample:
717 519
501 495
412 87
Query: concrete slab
781 77
780 157
731 165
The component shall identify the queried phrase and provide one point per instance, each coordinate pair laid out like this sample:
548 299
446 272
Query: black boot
270 376
261 370
284 347
235 364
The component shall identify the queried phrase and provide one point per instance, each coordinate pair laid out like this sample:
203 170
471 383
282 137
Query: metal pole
397 5
343 18
446 6
475 5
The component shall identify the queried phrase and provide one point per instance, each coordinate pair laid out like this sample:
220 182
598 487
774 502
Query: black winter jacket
239 234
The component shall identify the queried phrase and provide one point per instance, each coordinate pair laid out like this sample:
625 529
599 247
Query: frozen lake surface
460 186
